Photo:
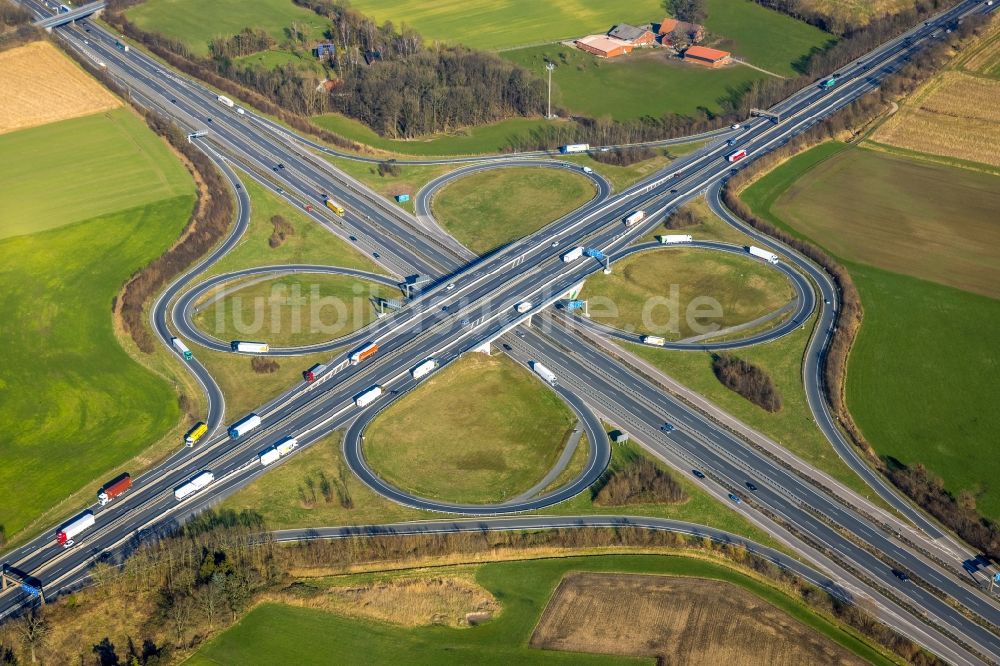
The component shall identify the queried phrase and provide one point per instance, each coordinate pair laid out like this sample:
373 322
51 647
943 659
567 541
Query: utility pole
550 66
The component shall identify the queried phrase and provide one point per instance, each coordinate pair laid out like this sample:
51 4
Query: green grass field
491 138
409 181
644 83
921 375
309 244
763 37
75 404
274 633
293 310
78 169
488 209
483 24
666 292
197 23
440 442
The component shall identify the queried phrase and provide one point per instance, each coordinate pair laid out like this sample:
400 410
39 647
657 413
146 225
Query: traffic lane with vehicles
804 304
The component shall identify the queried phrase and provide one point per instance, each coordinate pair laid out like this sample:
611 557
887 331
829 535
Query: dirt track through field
679 621
40 85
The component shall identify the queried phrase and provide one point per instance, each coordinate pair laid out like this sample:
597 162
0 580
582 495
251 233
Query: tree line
958 513
691 11
244 43
639 481
748 380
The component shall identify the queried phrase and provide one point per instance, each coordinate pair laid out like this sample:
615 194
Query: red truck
313 372
309 207
114 489
737 156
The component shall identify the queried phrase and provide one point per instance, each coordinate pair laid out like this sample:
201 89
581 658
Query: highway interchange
855 543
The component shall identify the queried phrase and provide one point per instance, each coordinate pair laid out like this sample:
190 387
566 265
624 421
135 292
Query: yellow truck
334 206
195 433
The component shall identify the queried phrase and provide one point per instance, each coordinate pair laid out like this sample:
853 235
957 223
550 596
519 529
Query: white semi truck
543 372
573 254
424 368
244 425
268 456
225 101
670 239
653 340
196 483
367 397
769 257
632 218
75 527
286 445
250 347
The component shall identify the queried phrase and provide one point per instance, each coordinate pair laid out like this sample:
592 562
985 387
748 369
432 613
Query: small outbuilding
632 35
677 33
603 47
702 55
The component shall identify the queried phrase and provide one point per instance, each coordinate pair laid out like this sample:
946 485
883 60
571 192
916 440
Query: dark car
698 473
280 165
667 427
735 498
751 486
376 255
901 575
173 101
353 238
507 347
209 120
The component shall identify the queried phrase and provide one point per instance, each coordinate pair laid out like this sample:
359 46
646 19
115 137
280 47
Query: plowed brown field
39 85
679 621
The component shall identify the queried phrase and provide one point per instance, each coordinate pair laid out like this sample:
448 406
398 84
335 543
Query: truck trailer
181 348
424 368
364 353
574 148
737 156
250 347
114 489
244 425
653 340
544 372
573 254
523 306
334 206
632 218
769 257
366 398
285 445
75 527
268 456
312 373
225 101
670 239
195 433
193 485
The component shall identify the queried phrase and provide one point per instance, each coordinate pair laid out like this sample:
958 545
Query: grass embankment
309 242
79 169
488 209
856 11
438 441
195 23
409 179
708 227
274 632
762 37
644 83
491 26
293 310
679 292
920 378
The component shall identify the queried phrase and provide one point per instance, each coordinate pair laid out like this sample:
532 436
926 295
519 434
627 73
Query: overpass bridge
62 18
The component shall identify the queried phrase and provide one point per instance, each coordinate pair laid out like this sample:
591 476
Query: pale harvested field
955 115
39 85
984 57
451 601
861 11
679 621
